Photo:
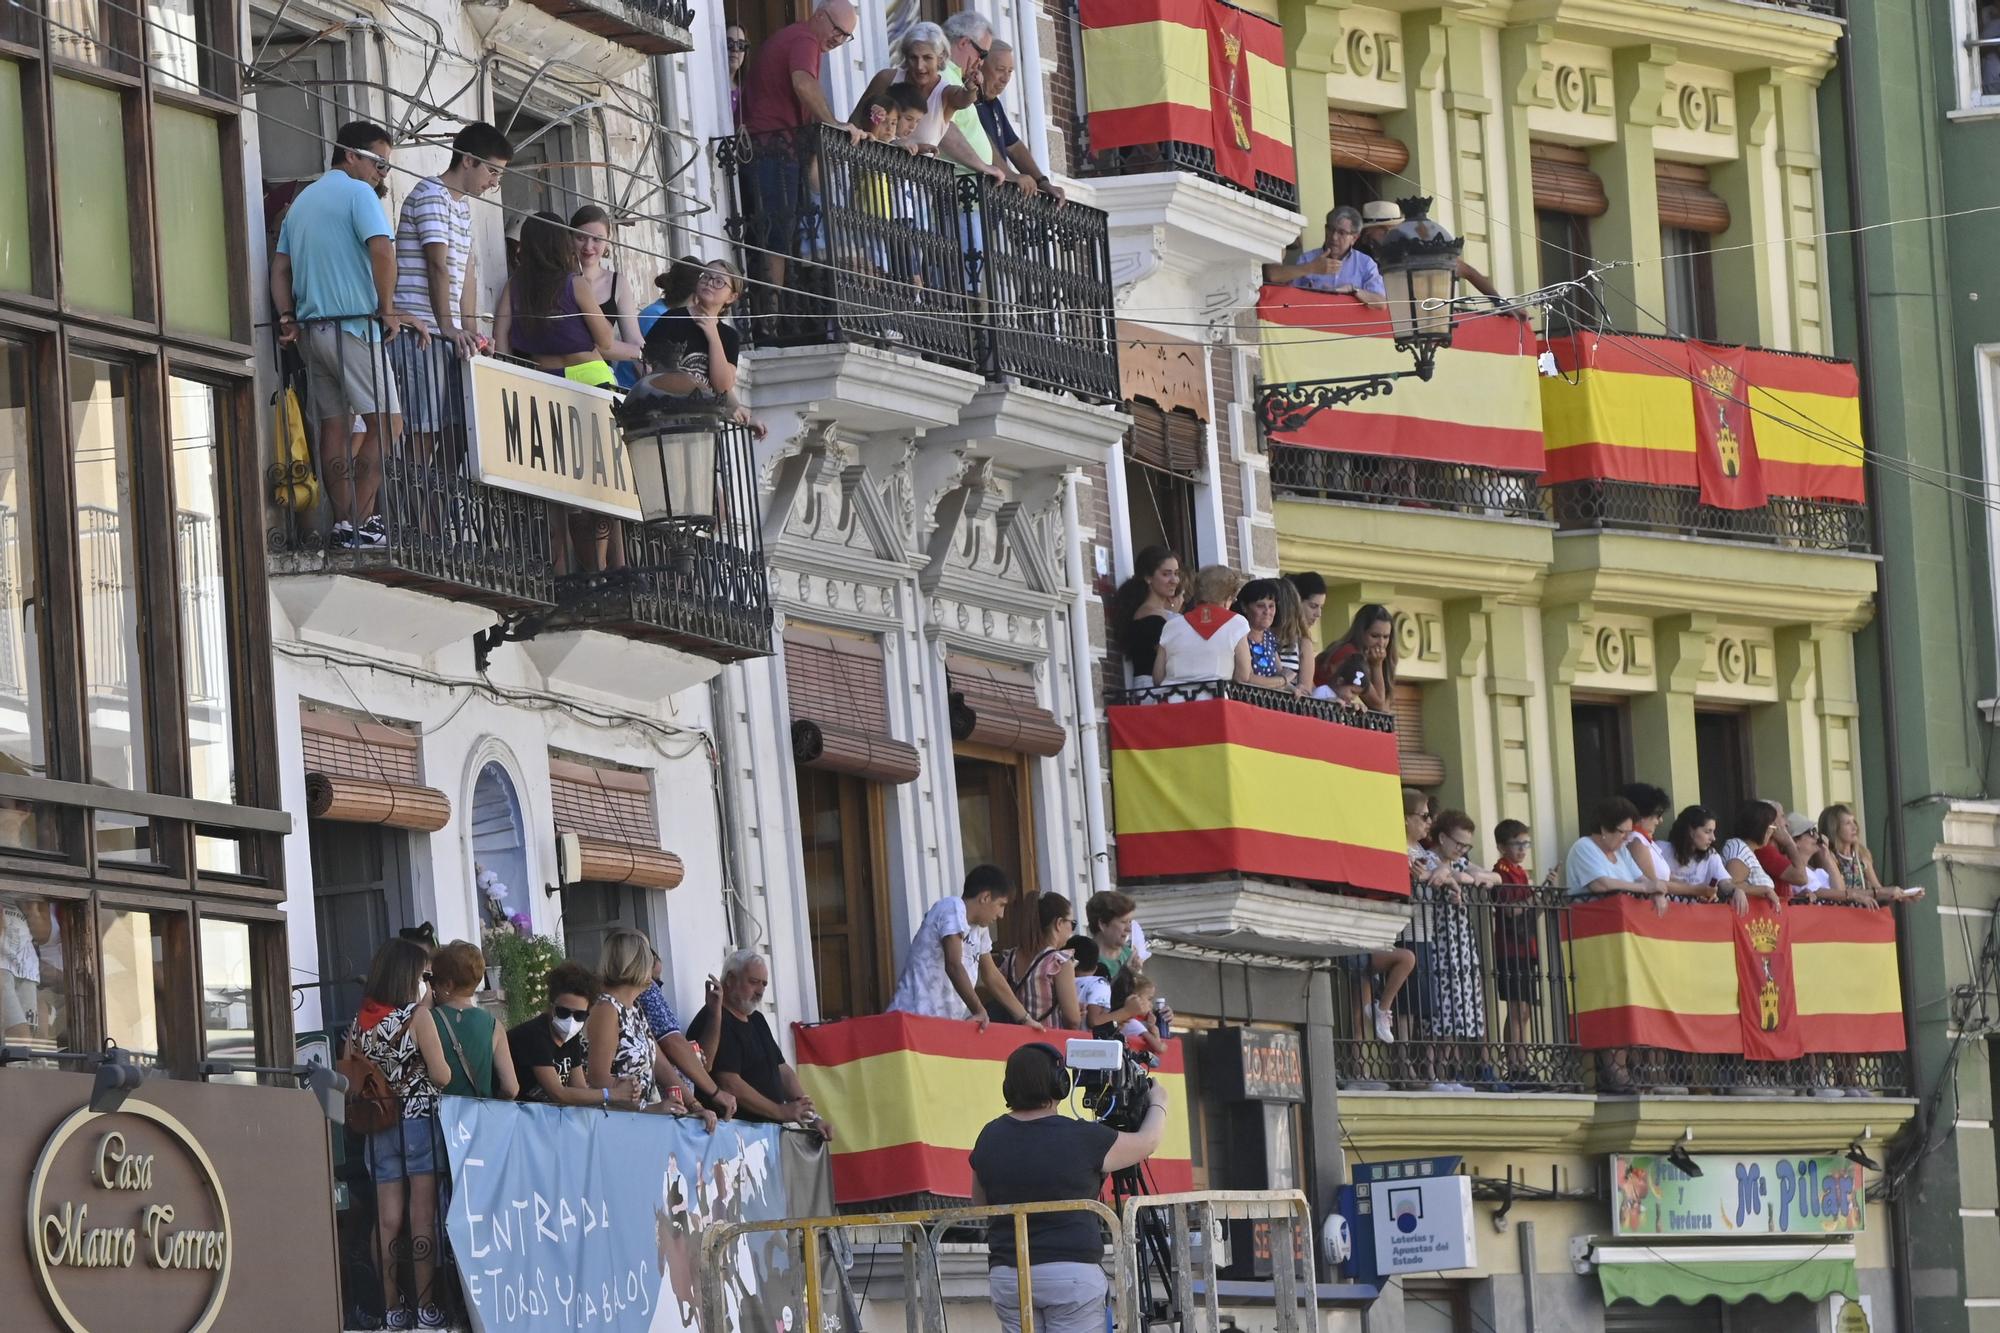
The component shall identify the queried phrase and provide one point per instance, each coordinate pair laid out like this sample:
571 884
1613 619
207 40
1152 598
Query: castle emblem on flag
1232 56
1764 935
1723 383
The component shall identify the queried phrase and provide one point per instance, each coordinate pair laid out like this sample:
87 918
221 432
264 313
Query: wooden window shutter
1685 199
609 811
365 773
1148 440
1564 182
996 705
1187 441
1420 768
1359 144
838 692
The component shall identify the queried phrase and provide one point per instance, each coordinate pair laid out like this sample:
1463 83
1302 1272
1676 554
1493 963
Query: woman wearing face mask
548 1048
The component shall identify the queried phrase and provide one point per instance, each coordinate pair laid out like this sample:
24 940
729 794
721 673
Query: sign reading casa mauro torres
546 436
126 1212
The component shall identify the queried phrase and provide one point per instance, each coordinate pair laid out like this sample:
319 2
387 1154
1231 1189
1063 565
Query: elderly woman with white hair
923 60
742 1054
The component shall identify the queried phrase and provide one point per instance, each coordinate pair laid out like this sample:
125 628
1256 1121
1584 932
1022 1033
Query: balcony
650 27
1457 488
472 510
1816 525
900 252
1209 781
1132 90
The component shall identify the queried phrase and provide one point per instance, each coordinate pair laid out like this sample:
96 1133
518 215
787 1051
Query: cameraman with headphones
1034 1154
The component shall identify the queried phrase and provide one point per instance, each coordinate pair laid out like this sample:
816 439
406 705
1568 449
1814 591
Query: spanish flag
1218 786
1679 982
1483 407
1624 409
907 1097
1189 71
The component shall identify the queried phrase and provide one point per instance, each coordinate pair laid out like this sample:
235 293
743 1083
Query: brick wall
1058 90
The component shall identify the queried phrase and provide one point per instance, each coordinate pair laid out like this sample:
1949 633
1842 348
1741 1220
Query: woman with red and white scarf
1208 641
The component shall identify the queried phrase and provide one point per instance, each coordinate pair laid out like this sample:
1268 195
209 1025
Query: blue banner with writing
565 1218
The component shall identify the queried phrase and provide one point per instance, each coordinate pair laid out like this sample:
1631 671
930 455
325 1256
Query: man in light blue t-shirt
333 280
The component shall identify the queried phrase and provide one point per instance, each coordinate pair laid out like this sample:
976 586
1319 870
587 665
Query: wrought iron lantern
673 450
1419 263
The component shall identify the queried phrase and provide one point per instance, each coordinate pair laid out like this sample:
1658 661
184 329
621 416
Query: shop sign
1257 1065
126 1213
1424 1225
1737 1196
546 436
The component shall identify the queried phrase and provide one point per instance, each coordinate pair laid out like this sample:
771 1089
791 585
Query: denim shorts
407 1148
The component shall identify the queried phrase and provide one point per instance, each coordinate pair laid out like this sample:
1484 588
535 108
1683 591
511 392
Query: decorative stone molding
1260 916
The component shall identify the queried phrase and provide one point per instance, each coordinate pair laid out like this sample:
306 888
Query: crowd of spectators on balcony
1345 263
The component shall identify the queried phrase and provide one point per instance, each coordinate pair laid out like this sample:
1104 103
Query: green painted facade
1922 147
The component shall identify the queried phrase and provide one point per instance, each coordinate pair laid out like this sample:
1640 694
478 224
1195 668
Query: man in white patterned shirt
437 278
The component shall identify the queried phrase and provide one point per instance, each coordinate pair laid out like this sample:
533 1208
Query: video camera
1113 1081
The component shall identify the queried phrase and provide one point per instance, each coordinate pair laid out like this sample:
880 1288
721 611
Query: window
94 206
1722 747
1602 735
1430 1306
840 822
1690 280
228 992
193 428
996 827
592 911
145 962
540 177
23 725
499 844
1562 240
361 897
1163 454
39 942
16 263
101 428
1977 36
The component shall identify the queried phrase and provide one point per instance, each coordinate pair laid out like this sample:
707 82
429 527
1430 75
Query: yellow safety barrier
1195 1213
919 1225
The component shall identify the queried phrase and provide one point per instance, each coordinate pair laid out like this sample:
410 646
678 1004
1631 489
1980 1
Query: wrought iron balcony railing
865 243
1818 525
1283 701
440 529
1322 474
656 27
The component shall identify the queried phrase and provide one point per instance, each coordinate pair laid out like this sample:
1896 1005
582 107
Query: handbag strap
450 1030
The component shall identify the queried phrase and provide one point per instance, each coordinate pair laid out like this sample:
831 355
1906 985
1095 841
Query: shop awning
1693 1273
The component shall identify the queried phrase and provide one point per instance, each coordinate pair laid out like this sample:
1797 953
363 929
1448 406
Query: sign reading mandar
1738 1197
549 437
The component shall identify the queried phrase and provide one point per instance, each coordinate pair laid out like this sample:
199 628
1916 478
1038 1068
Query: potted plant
523 961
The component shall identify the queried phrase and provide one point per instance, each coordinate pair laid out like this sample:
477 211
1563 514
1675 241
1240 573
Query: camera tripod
1153 1252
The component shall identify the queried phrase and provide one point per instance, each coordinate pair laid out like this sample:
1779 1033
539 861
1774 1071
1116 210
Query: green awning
1649 1276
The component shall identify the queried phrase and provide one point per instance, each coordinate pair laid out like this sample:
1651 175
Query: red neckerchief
371 1013
1205 618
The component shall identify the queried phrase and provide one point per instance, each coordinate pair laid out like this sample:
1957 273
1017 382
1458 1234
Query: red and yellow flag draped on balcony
1189 71
908 1096
1741 423
1769 986
1218 786
1482 407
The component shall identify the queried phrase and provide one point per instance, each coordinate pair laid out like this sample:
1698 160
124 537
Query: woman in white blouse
1694 867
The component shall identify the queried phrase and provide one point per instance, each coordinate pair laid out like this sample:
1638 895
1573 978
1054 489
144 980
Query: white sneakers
1385 1023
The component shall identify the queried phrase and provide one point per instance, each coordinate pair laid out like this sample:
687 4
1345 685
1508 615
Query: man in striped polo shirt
437 281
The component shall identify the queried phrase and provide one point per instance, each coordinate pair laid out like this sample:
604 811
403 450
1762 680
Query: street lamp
1419 264
673 455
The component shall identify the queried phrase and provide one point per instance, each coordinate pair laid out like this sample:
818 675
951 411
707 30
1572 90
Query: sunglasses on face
739 46
427 978
563 1011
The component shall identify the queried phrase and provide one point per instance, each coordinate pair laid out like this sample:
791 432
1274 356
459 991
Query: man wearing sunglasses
548 1048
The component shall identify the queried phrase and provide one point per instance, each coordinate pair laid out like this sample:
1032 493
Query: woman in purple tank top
549 315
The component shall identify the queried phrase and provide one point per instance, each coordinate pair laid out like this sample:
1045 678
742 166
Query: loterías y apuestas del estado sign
128 1223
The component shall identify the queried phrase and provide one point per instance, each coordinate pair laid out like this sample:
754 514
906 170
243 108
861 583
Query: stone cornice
1760 585
1260 916
1737 35
1450 555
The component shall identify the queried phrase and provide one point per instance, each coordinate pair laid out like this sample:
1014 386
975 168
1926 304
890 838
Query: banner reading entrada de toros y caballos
1769 986
566 1218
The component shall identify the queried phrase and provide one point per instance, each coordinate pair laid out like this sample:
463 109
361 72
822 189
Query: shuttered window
1686 202
610 812
1420 767
1173 441
365 773
838 691
996 705
1358 143
1564 182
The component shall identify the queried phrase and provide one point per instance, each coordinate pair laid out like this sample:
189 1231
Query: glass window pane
177 33
228 1004
194 233
85 31
107 554
139 979
16 270
37 941
21 716
193 412
93 207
